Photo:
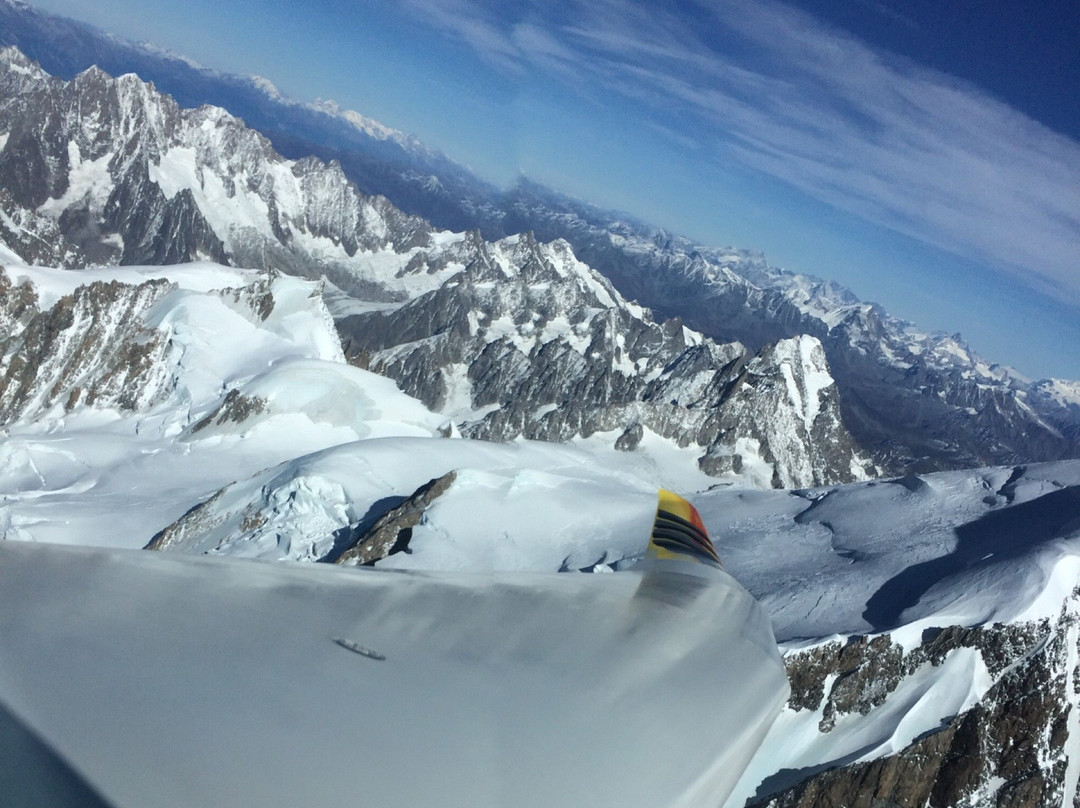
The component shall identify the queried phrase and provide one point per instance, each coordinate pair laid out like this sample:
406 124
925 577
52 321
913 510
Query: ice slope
175 681
898 561
966 547
106 474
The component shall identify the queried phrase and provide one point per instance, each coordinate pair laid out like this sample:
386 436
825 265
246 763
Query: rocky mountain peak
528 341
130 177
517 337
18 71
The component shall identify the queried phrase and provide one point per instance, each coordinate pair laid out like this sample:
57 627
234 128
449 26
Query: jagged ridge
129 176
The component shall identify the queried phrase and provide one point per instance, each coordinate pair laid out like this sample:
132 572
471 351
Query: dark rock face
18 305
391 533
235 408
89 348
199 518
1010 749
36 238
527 341
630 439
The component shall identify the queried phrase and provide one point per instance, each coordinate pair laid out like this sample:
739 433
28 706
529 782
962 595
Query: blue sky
926 154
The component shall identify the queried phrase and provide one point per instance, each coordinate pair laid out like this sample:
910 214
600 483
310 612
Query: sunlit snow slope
200 409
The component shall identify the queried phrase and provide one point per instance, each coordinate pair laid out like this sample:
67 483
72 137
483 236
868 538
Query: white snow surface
522 506
943 549
89 180
330 448
51 284
1065 393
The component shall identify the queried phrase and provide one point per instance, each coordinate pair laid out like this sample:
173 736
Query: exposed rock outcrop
391 533
1016 747
90 348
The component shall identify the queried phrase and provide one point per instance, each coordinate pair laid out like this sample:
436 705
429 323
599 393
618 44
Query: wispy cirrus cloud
766 85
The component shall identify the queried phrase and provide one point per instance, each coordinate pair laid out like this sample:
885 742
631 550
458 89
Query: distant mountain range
507 339
912 401
928 622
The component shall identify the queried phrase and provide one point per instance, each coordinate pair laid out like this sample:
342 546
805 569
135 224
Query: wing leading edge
512 688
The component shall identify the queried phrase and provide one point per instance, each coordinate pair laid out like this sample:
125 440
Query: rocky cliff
514 338
527 341
90 347
1017 744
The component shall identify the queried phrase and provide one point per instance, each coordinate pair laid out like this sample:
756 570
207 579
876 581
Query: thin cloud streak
769 87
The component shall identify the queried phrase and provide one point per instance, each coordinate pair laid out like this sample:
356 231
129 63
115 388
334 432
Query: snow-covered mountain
914 400
528 341
507 339
376 157
131 178
922 618
98 448
929 623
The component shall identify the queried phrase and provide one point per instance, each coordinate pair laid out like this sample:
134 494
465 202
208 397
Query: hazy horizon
920 157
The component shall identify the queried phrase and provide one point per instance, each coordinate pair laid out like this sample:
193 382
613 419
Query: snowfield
490 677
966 547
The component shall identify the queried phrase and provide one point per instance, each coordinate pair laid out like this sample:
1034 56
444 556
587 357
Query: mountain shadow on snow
999 535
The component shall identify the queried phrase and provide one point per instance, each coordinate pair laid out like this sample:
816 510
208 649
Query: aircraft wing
171 680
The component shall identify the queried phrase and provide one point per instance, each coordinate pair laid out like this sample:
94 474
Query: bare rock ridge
391 533
507 338
1014 747
916 401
